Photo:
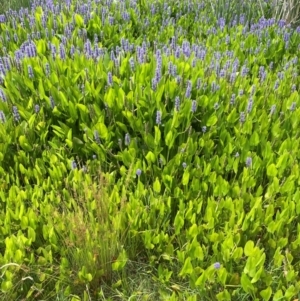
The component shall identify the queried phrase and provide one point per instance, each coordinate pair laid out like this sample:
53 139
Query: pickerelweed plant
149 132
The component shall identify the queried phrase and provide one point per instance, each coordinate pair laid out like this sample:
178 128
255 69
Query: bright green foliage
152 156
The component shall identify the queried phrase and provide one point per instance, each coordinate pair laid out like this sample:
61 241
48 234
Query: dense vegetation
149 151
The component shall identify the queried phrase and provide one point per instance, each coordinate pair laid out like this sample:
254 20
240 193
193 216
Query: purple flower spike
2 96
52 103
30 72
248 161
293 107
177 103
2 117
127 139
194 106
62 51
16 114
158 117
73 165
221 23
273 109
250 105
188 89
96 137
242 117
36 108
154 84
109 79
47 69
232 99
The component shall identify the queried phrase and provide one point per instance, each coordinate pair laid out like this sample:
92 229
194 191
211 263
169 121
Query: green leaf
248 249
41 89
201 281
149 140
69 135
178 222
6 286
120 98
232 117
122 126
77 141
82 108
127 158
198 252
18 256
150 157
170 138
212 120
29 84
109 98
31 234
185 178
157 136
41 46
25 144
257 275
272 170
167 180
193 231
24 222
246 284
156 186
237 254
254 139
73 111
121 261
222 275
223 296
290 292
79 20
159 94
278 296
102 129
58 131
266 294
187 267
69 143
288 185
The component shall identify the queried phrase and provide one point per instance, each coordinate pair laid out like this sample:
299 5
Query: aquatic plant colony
148 136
